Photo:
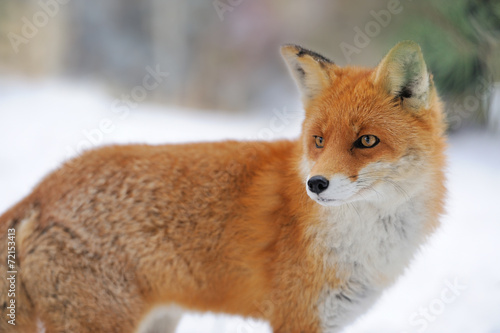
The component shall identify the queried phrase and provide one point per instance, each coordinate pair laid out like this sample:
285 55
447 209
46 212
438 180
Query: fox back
305 234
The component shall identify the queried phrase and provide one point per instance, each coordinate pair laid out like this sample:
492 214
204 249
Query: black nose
317 184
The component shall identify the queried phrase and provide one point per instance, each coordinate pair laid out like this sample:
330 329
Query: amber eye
366 141
318 140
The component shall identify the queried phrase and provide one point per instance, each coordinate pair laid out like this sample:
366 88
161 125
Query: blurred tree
220 61
230 60
460 40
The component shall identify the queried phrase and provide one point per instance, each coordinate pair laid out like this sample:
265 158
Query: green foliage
460 39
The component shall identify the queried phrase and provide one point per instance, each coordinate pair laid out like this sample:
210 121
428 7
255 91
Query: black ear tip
316 56
302 51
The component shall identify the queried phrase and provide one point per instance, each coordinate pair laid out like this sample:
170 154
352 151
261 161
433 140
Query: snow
453 285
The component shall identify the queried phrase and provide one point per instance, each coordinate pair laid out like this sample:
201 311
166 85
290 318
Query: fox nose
317 184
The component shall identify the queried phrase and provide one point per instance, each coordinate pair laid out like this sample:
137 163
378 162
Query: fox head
368 134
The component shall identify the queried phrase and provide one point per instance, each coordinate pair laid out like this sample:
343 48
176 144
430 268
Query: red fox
304 234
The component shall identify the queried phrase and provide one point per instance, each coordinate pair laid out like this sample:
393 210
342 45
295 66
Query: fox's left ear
310 70
403 74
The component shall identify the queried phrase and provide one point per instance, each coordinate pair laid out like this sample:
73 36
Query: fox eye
318 140
366 141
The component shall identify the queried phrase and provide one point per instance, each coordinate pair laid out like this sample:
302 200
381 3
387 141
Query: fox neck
377 235
369 239
365 247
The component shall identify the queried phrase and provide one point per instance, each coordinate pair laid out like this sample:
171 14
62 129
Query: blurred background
219 54
75 74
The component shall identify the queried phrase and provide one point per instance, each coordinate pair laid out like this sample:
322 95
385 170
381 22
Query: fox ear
403 74
309 69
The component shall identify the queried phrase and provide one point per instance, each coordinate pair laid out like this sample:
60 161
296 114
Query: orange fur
222 227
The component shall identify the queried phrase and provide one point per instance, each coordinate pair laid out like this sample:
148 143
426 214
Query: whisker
398 188
356 210
374 190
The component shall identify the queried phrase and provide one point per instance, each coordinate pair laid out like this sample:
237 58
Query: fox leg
295 317
164 319
74 288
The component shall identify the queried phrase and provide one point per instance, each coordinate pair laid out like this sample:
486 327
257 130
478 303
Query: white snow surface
453 285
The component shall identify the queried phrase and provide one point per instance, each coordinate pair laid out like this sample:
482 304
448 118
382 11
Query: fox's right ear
309 69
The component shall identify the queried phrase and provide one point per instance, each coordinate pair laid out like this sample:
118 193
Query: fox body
305 234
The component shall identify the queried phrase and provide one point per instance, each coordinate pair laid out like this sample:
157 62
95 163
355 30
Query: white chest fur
369 246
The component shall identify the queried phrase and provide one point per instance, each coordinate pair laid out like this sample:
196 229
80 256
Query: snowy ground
452 286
